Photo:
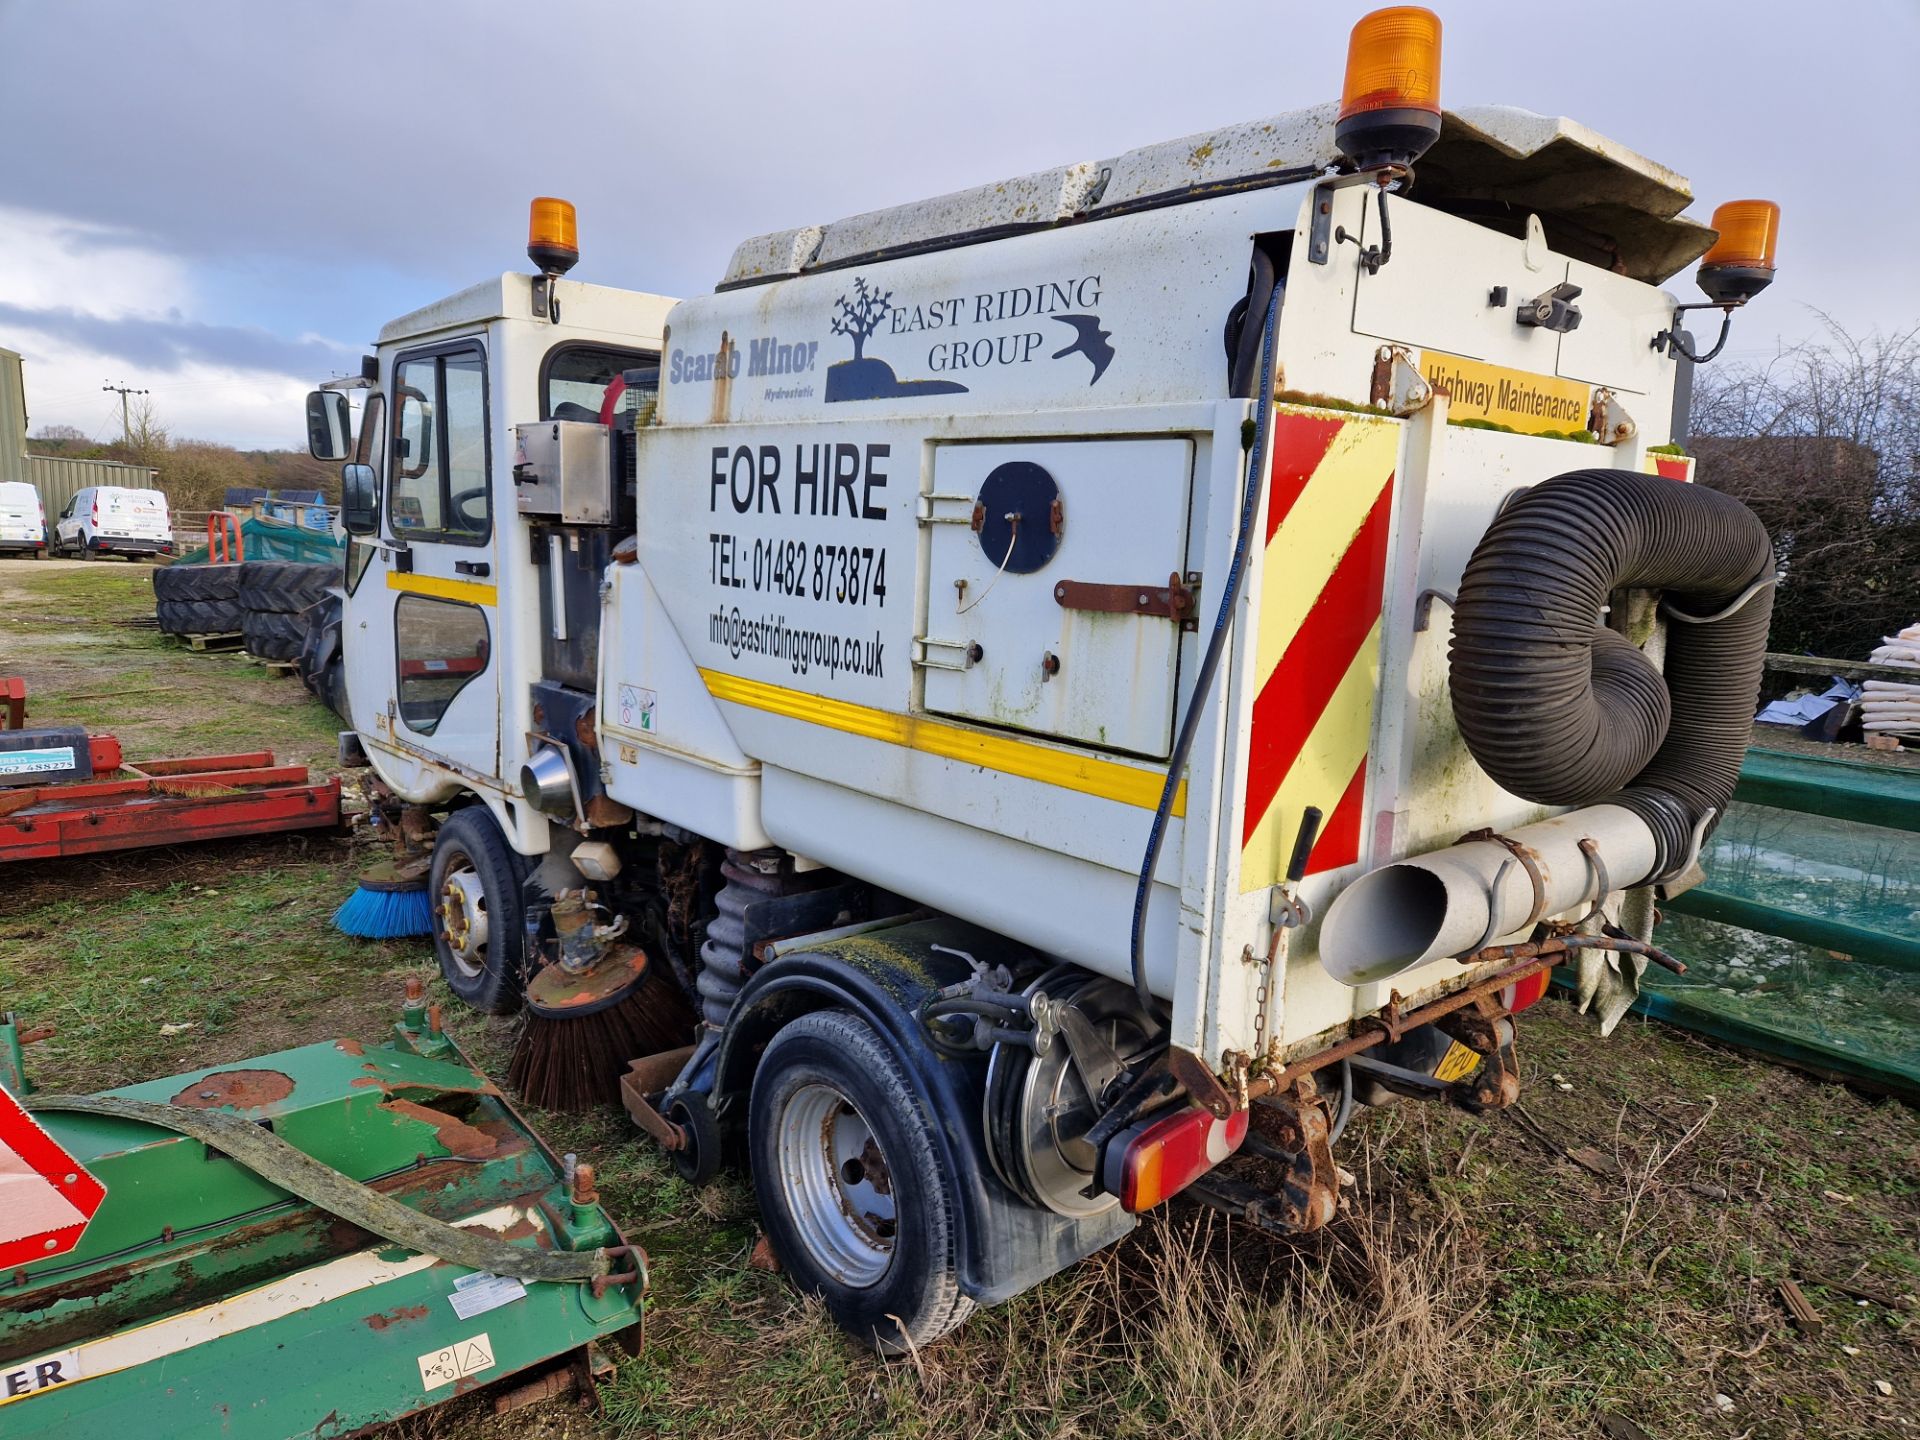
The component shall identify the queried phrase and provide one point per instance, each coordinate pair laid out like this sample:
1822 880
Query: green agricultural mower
305 1244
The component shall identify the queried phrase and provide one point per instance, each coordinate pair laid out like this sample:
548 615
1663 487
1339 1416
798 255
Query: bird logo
1089 340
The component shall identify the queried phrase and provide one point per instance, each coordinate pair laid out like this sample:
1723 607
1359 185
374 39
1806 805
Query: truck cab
443 597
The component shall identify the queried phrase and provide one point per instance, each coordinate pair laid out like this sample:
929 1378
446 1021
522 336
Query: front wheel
852 1188
479 930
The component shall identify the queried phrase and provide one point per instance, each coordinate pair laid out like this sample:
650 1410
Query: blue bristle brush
390 902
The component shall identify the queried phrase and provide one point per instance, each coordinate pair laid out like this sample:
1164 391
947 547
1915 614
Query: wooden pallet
282 668
213 643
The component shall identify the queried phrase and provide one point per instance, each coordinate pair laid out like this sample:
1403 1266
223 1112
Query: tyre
197 582
285 586
271 635
332 689
479 931
321 643
199 617
854 1194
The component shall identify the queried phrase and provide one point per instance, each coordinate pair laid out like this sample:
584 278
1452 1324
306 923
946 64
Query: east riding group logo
859 315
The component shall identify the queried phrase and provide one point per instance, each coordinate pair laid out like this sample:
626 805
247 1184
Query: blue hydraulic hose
1210 664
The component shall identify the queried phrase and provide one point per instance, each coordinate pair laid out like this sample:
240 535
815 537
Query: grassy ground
1479 1282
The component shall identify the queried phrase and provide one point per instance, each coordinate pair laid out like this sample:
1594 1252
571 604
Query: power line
126 430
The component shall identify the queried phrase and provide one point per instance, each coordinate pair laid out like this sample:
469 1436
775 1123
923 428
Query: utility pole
126 430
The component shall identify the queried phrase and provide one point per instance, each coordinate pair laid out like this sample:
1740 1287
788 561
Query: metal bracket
1320 222
1609 419
1396 383
1516 854
927 507
1423 608
932 654
1551 309
1173 601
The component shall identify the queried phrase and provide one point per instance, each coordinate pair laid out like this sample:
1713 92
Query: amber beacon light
1390 104
553 239
1740 264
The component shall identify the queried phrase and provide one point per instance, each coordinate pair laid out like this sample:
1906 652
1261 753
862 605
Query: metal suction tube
1473 894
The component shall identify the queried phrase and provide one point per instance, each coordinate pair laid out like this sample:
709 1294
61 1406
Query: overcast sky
222 202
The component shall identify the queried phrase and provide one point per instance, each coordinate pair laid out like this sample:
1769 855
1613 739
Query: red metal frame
154 803
226 541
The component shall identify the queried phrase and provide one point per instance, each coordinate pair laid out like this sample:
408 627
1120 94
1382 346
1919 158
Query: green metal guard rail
1849 790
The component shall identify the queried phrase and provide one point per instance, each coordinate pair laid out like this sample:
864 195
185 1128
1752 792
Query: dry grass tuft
1193 1327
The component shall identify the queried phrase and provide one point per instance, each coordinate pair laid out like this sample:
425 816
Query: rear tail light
1522 993
1159 1158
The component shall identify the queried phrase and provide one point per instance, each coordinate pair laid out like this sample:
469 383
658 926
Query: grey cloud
165 344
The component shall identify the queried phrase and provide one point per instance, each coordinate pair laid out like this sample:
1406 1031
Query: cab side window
574 379
437 466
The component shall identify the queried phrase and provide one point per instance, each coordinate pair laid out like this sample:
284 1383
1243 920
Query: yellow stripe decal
471 591
1068 769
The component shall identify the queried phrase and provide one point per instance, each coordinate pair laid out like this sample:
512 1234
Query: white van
111 520
23 524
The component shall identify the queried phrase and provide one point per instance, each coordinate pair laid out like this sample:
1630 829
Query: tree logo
858 316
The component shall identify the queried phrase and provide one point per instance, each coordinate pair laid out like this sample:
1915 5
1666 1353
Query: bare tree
1823 442
862 316
145 441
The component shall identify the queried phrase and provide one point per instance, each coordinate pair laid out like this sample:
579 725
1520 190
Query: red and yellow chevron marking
1317 645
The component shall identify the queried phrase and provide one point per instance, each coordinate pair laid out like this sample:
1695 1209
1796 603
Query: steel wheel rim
463 917
838 1185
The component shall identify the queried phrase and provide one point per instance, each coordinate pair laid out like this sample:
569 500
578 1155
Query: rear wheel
852 1187
479 931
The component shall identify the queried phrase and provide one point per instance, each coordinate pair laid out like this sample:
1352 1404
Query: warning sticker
480 1292
636 707
456 1361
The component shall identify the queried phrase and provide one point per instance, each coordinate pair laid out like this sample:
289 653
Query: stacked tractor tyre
282 609
198 599
323 668
275 596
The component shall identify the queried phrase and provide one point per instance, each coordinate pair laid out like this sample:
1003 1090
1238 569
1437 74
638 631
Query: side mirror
329 425
359 500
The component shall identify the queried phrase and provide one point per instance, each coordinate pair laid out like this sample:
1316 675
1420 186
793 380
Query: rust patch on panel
240 1089
458 1136
399 1315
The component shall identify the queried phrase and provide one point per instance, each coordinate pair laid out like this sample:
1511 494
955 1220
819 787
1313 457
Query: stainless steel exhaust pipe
1454 901
546 782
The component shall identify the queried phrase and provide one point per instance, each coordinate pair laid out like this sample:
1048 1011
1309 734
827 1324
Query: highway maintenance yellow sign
1532 404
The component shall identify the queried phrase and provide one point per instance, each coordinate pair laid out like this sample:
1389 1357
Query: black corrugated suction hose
1561 710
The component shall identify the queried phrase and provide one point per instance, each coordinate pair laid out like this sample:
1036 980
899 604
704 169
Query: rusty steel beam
1544 956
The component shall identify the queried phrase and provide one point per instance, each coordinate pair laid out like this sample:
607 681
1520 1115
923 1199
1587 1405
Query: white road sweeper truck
1029 702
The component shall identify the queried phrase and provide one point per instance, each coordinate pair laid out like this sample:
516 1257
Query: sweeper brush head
390 902
580 1030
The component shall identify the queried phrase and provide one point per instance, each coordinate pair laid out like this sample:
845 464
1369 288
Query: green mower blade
205 1300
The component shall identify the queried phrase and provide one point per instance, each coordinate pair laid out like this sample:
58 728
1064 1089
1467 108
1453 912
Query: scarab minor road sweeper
1015 699
1030 702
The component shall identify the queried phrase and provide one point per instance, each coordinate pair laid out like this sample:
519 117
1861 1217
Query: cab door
437 596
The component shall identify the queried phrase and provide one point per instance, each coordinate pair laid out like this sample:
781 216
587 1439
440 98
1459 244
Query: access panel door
1056 588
